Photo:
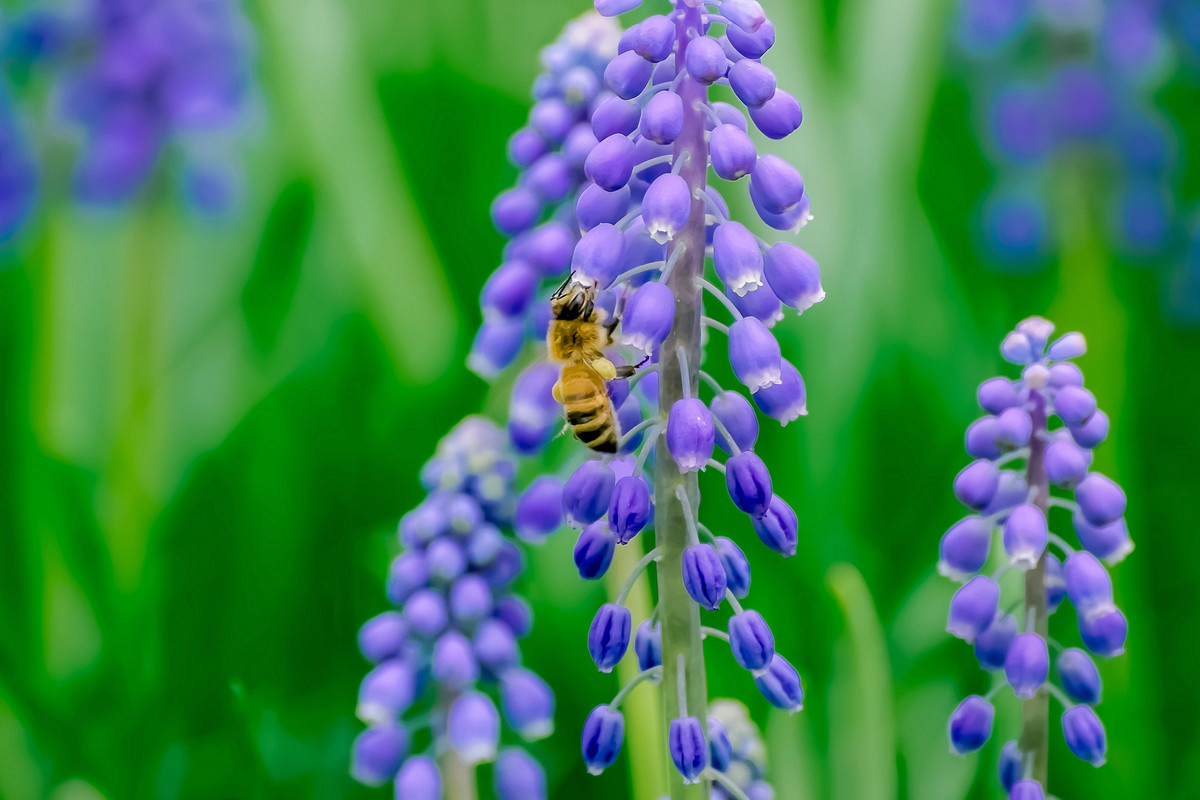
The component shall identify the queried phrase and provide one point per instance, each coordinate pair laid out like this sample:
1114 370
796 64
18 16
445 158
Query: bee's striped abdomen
589 410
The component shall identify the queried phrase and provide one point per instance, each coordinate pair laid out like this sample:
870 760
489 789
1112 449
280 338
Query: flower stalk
1035 711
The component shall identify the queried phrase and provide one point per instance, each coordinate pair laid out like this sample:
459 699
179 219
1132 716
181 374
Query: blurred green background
209 430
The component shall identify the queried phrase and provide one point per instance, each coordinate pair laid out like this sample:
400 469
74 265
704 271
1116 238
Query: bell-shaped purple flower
598 255
496 345
608 637
587 492
1027 790
548 248
1103 631
1025 534
1027 664
720 748
1064 374
780 684
752 44
737 257
736 565
603 734
518 776
965 548
1066 465
378 753
976 485
787 400
540 509
778 527
753 83
793 276
453 664
594 551
662 118
1056 584
597 206
666 207
550 177
1013 428
1084 734
533 413
971 724
470 599
749 483
1079 677
1110 542
689 751
745 14
973 607
761 304
1088 583
647 645
552 118
733 152
703 576
382 636
1010 768
705 60
525 147
997 394
754 353
778 116
445 561
473 727
528 704
419 779
386 692
496 646
1074 404
1092 432
775 185
1101 500
751 641
1011 493
648 317
614 115
983 439
425 612
738 418
655 38
690 434
627 75
992 644
630 508
611 162
516 210
509 290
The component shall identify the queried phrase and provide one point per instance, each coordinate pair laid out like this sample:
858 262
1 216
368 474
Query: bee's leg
628 371
604 368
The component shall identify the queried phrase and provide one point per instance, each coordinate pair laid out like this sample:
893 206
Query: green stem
458 777
1035 712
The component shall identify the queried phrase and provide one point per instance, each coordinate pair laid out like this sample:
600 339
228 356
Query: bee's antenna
561 290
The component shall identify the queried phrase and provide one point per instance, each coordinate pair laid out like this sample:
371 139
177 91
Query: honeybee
577 337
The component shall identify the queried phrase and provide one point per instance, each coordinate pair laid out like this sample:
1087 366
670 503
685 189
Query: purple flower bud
1016 349
473 727
973 607
1108 542
785 401
518 776
630 508
539 511
1092 432
982 439
720 749
613 8
515 613
504 569
754 354
611 161
733 152
662 118
627 74
1012 492
594 551
761 304
793 276
548 248
1084 734
603 734
615 115
1100 499
1079 676
752 44
510 289
1066 465
419 779
496 345
1088 583
406 574
1103 631
736 566
598 255
1014 428
780 684
378 753
1071 345
689 752
705 60
647 645
1027 665
1010 767
729 115
1025 534
386 692
453 664
516 210
550 177
749 483
525 147
703 576
445 560
528 704
1056 583
777 528
495 646
778 116
587 492
1064 374
775 185
976 485
690 434
666 207
993 643
1074 404
753 83
997 394
751 641
578 144
965 548
1027 790
648 317
971 724
655 38
552 118
597 206
470 598
382 636
608 637
425 612
738 417
737 257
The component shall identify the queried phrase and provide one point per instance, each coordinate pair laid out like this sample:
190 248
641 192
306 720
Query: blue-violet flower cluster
1050 422
453 633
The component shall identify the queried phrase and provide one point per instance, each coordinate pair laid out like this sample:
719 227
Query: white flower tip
1118 555
537 730
660 235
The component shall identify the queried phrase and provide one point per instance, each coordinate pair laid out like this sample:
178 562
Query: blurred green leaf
269 290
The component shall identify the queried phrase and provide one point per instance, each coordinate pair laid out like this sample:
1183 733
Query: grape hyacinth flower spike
1046 422
449 649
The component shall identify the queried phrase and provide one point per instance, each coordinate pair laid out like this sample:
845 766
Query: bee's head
573 300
